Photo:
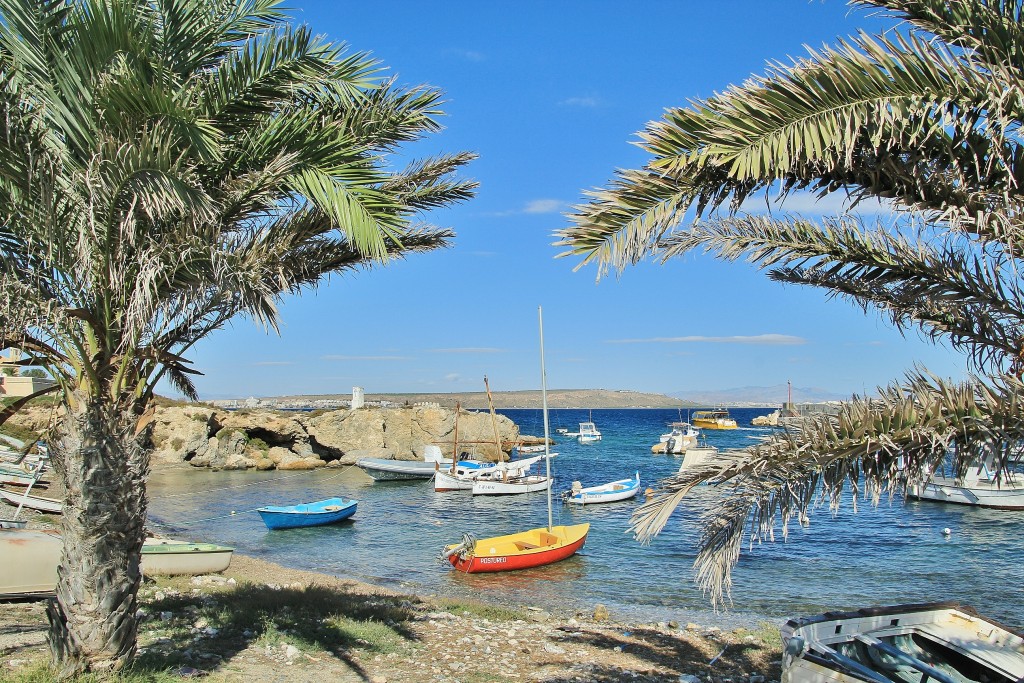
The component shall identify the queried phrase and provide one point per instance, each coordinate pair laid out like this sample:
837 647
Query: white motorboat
683 436
511 486
588 433
944 642
979 488
386 469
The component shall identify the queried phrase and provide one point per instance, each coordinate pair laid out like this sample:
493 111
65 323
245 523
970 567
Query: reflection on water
895 553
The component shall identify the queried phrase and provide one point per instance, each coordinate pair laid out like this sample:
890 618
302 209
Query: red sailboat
524 549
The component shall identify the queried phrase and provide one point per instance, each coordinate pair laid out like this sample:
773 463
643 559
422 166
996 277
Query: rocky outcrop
266 439
245 439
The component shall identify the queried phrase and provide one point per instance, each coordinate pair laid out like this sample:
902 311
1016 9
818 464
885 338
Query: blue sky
550 95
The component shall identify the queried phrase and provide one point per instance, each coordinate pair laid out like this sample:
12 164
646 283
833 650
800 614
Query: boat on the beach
682 436
164 556
718 418
30 561
317 513
524 549
605 493
23 473
979 488
25 499
944 642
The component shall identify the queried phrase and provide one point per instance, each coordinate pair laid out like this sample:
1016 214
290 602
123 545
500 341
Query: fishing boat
683 436
979 488
527 483
164 556
605 493
524 549
462 476
30 561
21 474
28 500
713 419
588 433
385 469
944 642
317 513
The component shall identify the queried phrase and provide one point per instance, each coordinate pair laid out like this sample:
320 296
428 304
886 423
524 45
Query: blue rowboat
307 514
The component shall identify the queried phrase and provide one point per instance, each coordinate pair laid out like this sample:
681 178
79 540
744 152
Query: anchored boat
524 549
317 513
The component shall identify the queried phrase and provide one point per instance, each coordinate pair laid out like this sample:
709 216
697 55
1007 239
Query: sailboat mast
494 422
544 402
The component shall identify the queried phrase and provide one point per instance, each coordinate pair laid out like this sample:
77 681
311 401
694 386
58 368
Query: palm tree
166 166
926 119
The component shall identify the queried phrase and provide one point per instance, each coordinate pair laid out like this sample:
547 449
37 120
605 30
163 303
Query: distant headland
557 398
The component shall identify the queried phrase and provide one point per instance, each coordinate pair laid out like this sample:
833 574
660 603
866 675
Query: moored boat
718 418
522 550
385 469
528 483
605 493
588 433
164 556
317 513
978 489
945 642
462 476
682 436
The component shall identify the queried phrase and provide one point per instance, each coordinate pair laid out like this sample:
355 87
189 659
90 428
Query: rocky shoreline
262 621
204 436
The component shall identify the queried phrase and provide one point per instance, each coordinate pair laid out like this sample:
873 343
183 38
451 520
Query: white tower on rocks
357 398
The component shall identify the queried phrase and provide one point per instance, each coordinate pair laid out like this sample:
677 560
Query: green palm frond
870 449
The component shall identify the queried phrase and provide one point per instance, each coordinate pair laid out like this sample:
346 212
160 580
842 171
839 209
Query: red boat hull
519 560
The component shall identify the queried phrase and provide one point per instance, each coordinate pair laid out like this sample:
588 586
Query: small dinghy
169 557
605 493
316 513
940 642
26 499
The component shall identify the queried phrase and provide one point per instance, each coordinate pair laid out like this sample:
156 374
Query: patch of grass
768 633
481 610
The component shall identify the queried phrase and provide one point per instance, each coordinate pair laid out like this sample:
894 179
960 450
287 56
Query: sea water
894 553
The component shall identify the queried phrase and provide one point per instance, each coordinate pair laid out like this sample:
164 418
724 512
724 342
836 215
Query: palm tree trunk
100 461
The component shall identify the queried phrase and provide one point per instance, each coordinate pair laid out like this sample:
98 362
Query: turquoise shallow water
895 553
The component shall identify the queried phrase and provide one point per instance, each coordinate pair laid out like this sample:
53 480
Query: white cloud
468 349
544 206
365 358
452 377
766 339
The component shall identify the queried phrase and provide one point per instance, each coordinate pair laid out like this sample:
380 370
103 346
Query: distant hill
773 395
557 398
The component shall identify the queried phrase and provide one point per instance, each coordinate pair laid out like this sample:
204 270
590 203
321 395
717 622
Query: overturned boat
944 642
